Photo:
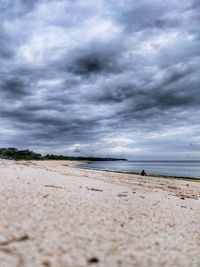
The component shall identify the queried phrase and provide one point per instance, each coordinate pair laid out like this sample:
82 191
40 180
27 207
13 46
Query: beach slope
53 214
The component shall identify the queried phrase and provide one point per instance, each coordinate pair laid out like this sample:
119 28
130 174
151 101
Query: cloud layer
105 78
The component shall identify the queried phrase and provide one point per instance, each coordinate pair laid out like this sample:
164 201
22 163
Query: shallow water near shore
166 168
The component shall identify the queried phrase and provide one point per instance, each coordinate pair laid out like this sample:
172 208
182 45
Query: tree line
13 153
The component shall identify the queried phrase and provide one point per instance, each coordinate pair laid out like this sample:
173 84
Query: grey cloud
148 15
77 150
195 4
6 51
176 76
116 93
11 9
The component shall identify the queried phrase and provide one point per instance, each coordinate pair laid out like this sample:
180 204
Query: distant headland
13 153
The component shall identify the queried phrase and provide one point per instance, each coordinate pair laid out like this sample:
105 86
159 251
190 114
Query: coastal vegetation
13 153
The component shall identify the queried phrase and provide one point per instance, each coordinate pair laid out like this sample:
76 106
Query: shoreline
78 163
193 179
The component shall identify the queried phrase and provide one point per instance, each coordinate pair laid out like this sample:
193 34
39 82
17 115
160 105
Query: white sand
51 215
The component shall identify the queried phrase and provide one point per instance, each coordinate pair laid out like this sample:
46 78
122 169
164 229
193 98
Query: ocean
169 168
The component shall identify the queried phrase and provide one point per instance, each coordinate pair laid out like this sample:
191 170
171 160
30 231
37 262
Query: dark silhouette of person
143 173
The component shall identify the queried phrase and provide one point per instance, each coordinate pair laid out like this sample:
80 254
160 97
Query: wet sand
53 214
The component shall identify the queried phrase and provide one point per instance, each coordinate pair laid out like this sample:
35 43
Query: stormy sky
103 78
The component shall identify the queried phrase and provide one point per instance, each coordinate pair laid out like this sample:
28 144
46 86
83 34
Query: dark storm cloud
95 58
170 92
90 63
112 78
14 88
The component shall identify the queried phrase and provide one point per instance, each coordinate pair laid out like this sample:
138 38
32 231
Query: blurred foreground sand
56 215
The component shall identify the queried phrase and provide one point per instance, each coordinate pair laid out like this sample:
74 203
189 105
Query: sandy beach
53 214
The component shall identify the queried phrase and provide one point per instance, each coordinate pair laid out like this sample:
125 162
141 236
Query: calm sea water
171 168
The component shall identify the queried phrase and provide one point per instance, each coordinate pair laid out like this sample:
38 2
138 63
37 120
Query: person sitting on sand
143 173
